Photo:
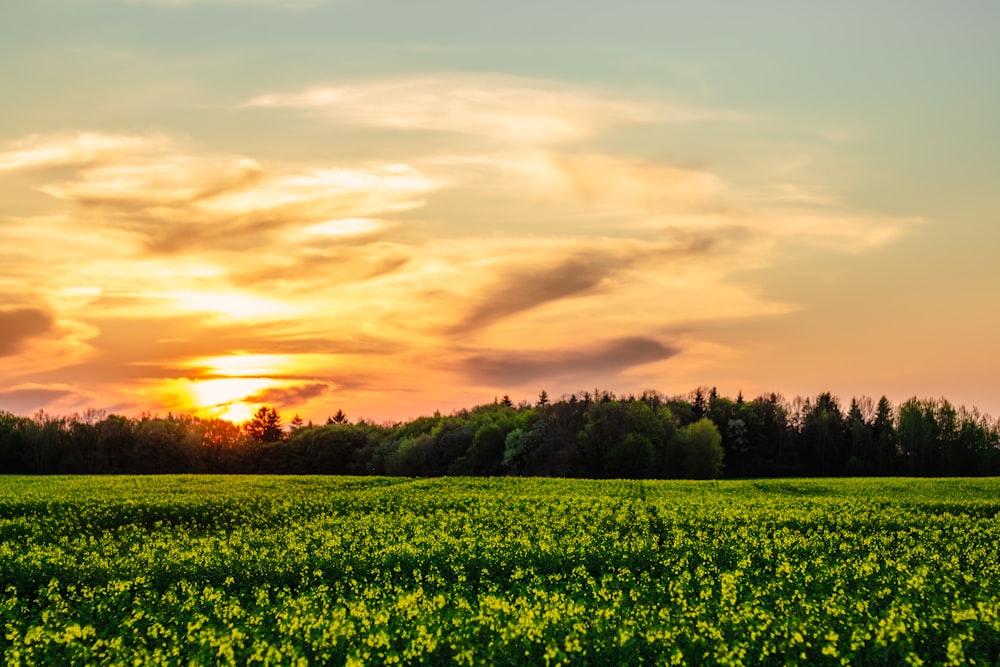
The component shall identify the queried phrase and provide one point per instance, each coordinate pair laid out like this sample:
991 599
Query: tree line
701 435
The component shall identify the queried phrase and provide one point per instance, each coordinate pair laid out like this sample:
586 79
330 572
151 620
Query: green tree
698 406
520 444
333 449
45 442
485 456
219 438
918 433
625 439
168 445
697 450
949 457
15 432
884 436
823 436
861 439
115 441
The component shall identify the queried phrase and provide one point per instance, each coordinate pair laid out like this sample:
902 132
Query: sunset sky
392 207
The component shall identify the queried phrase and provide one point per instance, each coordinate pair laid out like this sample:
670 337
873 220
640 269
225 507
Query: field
335 570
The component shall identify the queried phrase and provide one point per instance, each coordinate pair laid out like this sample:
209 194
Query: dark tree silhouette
596 435
265 426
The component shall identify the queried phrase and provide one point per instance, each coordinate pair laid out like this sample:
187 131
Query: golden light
225 397
237 379
345 227
233 304
216 392
244 365
237 412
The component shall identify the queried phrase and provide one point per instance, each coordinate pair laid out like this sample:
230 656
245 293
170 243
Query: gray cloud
286 396
26 401
526 289
577 275
515 368
19 325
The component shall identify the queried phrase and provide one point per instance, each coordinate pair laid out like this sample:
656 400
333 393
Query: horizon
213 205
867 404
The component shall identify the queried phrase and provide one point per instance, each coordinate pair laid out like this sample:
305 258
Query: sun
237 412
233 386
225 398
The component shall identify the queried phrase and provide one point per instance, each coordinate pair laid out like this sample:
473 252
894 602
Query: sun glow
345 227
236 412
243 365
227 398
231 387
234 305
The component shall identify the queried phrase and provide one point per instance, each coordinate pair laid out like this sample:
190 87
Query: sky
392 208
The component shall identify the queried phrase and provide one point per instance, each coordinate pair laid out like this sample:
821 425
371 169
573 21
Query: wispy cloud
505 109
172 200
522 252
82 149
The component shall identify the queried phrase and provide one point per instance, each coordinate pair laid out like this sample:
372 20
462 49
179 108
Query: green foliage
697 451
347 570
485 456
594 435
332 449
222 441
520 444
625 439
165 446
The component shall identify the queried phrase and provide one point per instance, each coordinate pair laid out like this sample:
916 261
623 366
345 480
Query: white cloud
170 199
506 109
40 152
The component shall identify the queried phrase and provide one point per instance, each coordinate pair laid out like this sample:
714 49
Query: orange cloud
18 325
524 253
85 148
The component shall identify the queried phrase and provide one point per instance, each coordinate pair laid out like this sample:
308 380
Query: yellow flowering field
180 570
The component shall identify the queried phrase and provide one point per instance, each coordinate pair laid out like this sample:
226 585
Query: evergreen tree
860 435
698 407
265 426
884 435
339 418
